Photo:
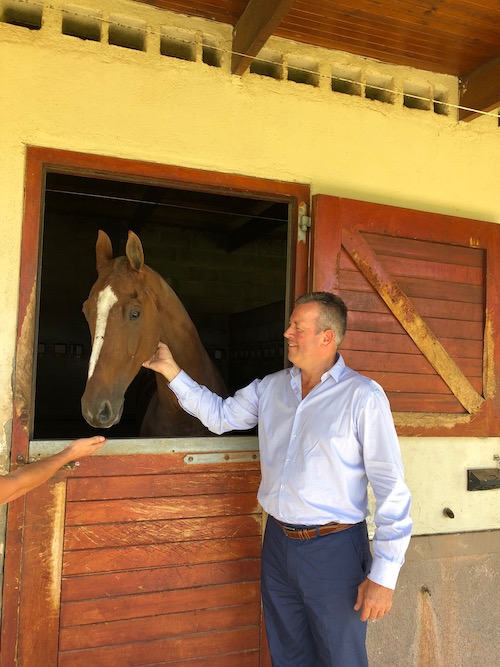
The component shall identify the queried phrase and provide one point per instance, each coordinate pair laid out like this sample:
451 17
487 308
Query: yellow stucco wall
63 92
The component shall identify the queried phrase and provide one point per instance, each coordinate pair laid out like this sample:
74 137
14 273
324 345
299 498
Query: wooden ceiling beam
257 23
480 90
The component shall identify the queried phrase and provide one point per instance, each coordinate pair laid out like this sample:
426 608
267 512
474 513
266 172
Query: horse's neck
178 331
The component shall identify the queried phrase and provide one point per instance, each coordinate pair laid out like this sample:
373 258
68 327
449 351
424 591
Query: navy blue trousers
309 589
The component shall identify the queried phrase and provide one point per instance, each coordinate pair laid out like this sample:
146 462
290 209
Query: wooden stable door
422 291
144 560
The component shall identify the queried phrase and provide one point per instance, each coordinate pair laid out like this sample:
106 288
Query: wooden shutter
422 295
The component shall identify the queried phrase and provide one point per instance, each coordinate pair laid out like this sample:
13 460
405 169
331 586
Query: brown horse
129 309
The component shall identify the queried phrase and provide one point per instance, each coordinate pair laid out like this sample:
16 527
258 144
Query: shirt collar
335 372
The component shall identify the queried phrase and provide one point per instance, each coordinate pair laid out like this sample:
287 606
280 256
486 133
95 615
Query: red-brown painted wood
448 268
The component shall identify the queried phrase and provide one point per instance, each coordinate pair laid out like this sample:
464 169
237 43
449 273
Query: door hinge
304 222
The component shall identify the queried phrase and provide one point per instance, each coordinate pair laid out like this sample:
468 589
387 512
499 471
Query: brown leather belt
315 531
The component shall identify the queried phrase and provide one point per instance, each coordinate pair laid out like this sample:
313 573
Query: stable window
224 255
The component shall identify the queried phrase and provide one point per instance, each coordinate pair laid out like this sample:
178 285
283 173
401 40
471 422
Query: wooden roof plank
480 90
257 23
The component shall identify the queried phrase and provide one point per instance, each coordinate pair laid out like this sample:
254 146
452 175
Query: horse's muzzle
102 415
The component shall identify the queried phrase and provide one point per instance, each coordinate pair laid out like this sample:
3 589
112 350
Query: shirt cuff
182 384
384 572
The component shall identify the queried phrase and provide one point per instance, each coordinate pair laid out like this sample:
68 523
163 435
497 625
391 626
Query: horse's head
123 319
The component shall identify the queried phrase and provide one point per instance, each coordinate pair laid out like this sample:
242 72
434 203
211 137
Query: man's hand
163 362
374 600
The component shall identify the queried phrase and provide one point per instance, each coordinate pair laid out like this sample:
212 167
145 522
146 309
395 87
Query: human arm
22 480
384 470
219 415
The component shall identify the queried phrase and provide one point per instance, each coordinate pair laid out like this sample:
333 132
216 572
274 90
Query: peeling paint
57 516
24 362
489 382
427 420
301 227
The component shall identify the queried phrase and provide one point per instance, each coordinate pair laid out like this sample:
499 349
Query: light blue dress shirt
318 453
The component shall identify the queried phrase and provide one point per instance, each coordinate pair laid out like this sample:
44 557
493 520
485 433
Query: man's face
305 346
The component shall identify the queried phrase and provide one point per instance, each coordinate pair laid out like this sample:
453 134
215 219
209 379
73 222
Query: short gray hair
333 312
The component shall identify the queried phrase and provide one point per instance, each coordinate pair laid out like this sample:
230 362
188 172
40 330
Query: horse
130 308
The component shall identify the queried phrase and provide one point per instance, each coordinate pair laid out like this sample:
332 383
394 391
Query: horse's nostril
105 413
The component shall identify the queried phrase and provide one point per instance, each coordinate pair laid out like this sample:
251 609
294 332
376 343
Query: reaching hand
28 477
85 446
163 362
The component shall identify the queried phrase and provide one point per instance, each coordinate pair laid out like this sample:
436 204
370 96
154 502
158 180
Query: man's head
317 326
332 312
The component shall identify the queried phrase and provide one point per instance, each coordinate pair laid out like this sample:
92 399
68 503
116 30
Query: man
324 432
28 477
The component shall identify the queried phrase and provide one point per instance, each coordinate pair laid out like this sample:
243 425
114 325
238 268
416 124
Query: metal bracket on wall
221 457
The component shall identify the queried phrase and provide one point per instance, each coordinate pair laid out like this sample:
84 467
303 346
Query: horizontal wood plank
418 287
443 253
370 302
442 328
425 403
106 610
153 580
153 464
166 651
159 555
151 509
365 362
160 626
388 343
404 382
247 658
409 268
98 536
163 485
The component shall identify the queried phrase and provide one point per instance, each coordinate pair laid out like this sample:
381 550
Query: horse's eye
135 314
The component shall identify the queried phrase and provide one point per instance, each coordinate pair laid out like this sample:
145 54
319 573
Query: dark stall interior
225 256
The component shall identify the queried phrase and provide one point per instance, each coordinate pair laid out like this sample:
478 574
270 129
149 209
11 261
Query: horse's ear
103 250
134 251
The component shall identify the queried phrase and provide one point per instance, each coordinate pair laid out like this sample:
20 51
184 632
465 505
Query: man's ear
328 337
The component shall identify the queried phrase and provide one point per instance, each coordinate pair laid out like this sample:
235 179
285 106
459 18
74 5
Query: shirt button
282 487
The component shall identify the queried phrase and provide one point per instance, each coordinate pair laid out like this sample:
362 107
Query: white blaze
105 301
